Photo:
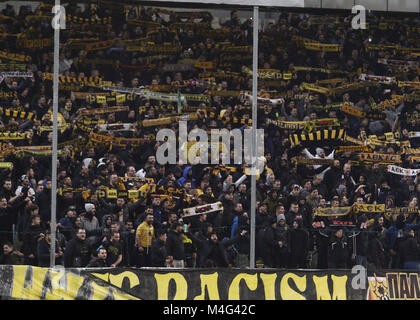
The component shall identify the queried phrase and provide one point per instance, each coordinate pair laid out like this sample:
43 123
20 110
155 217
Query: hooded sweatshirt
184 177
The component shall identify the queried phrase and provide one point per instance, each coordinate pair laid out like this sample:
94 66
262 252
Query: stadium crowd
338 107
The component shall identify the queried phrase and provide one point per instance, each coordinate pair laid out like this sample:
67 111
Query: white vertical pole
55 141
254 133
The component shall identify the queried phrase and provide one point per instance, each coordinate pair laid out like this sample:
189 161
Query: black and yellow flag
321 136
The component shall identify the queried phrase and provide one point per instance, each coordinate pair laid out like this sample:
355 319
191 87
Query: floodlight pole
254 133
55 141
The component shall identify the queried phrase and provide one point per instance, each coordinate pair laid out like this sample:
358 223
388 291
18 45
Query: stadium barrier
36 283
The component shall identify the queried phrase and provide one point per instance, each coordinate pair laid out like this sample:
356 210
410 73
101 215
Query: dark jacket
243 244
410 250
332 179
97 263
43 253
8 216
217 254
9 259
159 253
270 246
361 242
290 217
338 251
299 242
175 245
283 234
78 253
211 253
30 239
43 201
376 253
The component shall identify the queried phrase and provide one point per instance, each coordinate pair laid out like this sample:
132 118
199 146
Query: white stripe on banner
403 171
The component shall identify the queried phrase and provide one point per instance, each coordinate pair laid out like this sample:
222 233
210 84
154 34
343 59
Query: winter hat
89 207
281 216
101 166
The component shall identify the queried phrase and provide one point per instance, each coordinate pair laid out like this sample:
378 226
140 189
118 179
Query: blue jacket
184 177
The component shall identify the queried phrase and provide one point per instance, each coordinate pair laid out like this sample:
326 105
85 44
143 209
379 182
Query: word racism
34 283
198 152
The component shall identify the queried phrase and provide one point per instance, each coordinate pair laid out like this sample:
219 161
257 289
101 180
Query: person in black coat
25 220
270 244
8 217
212 252
299 244
159 253
243 244
322 242
227 215
376 256
332 177
43 251
262 217
216 255
361 240
338 251
43 201
410 251
30 241
175 246
129 237
78 251
283 238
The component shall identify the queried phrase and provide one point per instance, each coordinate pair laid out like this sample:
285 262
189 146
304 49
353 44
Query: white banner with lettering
207 208
403 171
